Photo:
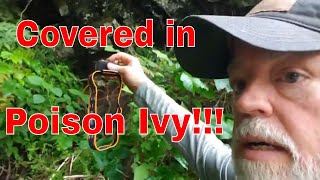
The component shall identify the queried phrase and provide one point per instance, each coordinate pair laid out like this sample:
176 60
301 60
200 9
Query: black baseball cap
277 25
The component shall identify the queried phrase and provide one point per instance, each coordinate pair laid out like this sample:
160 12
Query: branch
24 10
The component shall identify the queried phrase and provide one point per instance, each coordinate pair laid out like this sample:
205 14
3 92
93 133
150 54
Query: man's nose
254 101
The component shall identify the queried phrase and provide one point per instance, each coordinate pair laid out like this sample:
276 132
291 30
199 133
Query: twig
75 176
218 101
24 10
2 169
81 80
76 157
122 173
73 159
9 171
81 176
61 165
70 169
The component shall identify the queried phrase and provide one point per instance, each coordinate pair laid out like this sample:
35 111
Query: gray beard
253 170
300 168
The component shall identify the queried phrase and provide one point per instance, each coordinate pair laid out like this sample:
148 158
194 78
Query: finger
116 67
122 57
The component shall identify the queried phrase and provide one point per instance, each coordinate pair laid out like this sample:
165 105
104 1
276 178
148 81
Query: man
272 59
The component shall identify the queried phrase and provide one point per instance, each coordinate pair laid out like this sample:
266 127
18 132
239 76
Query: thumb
115 67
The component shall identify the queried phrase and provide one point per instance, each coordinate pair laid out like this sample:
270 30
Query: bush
35 79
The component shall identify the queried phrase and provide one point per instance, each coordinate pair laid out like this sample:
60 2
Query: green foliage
8 11
154 157
7 37
34 79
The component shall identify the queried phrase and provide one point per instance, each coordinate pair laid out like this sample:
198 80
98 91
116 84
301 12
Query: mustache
265 130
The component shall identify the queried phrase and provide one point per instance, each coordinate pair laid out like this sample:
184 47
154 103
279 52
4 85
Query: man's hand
130 69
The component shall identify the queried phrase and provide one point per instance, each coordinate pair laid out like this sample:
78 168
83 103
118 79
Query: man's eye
292 77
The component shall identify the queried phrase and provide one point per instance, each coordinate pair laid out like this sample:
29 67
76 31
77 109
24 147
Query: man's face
277 113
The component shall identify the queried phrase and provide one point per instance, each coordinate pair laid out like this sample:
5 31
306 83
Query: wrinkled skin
276 100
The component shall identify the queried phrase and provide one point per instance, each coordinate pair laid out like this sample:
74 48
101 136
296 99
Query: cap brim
211 55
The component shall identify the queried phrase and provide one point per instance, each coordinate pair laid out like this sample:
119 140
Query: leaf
35 80
222 84
5 68
60 100
2 135
187 82
75 92
159 74
6 55
146 146
83 144
126 89
208 94
98 160
70 109
64 142
47 86
141 172
160 55
56 91
84 97
8 87
18 75
199 84
66 98
182 161
152 64
47 112
197 102
38 99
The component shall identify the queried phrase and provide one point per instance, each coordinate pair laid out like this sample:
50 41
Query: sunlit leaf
5 68
56 91
223 84
75 92
126 89
199 84
35 80
70 109
18 75
141 172
152 64
187 82
182 161
38 99
6 55
162 56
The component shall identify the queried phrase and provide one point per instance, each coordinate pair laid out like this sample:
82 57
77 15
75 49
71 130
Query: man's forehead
272 5
243 52
246 56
